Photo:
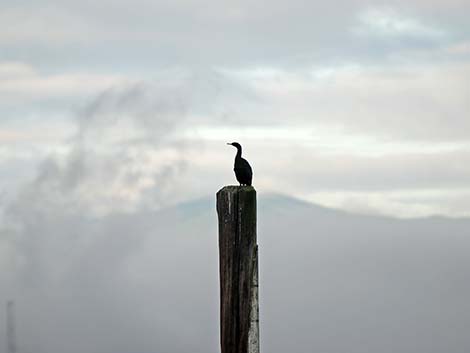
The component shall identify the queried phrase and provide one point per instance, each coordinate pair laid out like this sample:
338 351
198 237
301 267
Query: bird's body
242 168
243 171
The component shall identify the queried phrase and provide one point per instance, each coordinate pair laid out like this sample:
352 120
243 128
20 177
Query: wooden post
238 260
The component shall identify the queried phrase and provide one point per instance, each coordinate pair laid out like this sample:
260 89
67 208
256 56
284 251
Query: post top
235 188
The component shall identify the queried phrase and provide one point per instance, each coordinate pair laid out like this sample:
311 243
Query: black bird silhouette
242 168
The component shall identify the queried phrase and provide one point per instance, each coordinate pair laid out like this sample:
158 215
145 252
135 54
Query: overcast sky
359 105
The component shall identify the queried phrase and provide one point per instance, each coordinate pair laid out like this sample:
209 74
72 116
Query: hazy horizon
329 281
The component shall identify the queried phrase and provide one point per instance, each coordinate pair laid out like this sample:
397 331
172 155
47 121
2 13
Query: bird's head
235 144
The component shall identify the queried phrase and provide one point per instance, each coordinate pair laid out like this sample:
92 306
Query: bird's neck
239 152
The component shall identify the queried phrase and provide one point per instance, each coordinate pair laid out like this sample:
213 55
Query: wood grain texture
253 334
236 208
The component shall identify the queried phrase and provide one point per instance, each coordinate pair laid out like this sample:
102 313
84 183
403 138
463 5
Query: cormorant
242 168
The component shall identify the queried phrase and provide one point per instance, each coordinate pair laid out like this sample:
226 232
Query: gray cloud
185 33
110 152
128 149
55 247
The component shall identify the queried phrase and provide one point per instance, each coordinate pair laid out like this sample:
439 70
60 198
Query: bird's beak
228 143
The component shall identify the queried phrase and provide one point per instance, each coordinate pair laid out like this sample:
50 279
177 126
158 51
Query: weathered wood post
238 261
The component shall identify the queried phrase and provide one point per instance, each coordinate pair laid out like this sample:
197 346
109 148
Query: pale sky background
359 105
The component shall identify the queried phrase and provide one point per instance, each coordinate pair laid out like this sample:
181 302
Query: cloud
333 81
125 158
445 170
128 149
120 150
246 34
44 25
122 158
403 102
135 138
385 22
414 102
21 83
15 70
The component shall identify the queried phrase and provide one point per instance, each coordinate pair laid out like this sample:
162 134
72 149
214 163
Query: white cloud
386 22
427 102
15 70
323 138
